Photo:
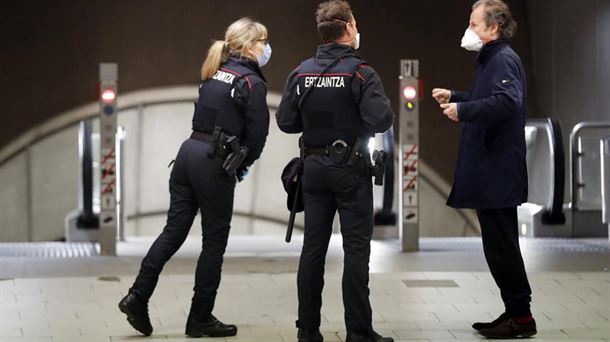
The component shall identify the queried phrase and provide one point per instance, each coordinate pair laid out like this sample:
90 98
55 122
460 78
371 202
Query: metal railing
577 155
604 152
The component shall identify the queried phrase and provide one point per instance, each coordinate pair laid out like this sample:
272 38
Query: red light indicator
409 92
108 95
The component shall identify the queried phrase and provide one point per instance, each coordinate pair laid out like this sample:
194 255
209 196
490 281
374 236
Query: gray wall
571 61
53 47
571 58
40 185
56 45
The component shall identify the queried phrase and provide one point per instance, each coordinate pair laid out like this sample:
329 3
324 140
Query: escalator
544 214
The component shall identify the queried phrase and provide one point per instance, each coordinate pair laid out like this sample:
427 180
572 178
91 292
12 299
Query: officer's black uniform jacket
235 99
348 101
491 170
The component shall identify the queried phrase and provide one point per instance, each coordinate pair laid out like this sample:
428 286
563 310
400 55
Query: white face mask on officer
357 43
264 58
471 41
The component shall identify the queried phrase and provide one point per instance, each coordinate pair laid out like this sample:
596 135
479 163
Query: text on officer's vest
224 77
325 82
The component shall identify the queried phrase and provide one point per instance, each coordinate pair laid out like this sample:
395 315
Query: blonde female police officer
231 106
345 104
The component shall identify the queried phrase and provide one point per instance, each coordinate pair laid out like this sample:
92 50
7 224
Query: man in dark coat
491 174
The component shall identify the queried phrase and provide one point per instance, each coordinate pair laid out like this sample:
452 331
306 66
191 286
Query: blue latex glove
242 173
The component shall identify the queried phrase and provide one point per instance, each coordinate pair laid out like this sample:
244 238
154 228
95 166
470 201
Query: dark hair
498 13
332 17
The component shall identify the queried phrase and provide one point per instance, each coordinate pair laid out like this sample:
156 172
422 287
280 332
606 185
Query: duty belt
339 151
318 151
226 147
202 136
221 150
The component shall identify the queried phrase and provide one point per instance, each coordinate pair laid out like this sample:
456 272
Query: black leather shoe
137 313
511 329
307 335
487 325
212 328
371 337
310 335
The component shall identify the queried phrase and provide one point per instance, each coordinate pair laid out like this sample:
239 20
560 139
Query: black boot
310 335
212 327
488 325
372 336
137 313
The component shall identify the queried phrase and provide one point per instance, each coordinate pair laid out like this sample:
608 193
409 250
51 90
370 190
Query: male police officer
491 173
338 102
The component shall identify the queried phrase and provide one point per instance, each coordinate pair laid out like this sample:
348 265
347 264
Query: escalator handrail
553 208
605 172
575 153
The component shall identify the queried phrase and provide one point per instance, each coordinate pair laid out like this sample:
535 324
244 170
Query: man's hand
441 95
450 110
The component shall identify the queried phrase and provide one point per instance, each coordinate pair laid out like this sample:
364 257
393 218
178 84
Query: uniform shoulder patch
364 71
249 80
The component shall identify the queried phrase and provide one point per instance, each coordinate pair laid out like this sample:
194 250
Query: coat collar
334 50
491 49
248 63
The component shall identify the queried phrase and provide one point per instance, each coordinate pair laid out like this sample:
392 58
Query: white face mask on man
357 44
471 41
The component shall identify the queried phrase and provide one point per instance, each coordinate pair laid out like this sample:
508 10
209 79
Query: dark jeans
328 187
499 229
196 183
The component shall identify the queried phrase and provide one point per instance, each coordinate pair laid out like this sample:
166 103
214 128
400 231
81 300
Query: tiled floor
75 299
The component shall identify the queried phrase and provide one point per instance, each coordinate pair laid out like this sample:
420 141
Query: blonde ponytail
216 55
240 37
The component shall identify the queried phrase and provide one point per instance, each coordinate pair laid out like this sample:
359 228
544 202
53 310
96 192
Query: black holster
378 169
215 141
356 152
224 146
236 156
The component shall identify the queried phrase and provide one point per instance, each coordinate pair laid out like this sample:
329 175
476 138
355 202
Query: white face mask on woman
471 41
265 57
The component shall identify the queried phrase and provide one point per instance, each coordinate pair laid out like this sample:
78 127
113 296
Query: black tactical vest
329 112
216 105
